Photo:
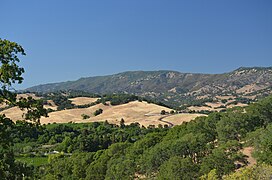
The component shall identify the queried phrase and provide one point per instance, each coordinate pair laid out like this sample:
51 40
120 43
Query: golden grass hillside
178 119
83 100
13 113
142 112
130 112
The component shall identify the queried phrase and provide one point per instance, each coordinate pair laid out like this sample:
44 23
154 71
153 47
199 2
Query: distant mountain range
173 86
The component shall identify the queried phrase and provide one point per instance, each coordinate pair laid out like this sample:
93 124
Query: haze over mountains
172 85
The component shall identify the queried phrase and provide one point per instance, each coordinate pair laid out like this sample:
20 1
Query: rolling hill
141 112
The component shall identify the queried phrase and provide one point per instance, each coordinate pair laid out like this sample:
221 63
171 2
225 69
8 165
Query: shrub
85 116
98 111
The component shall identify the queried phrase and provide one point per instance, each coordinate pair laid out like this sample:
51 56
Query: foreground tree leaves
11 73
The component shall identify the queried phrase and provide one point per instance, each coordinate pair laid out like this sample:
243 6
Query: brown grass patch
248 152
250 88
237 105
203 108
178 119
214 105
83 100
13 113
26 95
131 112
225 97
51 105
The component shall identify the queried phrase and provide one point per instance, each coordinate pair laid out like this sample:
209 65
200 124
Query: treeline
206 147
117 99
70 138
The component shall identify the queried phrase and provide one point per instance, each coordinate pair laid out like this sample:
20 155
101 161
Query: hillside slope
172 86
141 112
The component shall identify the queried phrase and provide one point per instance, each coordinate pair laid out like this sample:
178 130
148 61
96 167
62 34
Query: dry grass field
25 95
215 106
51 105
250 88
178 119
203 108
130 112
13 113
237 105
82 100
224 97
142 112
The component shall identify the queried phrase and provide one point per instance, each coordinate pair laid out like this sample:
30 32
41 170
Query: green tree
261 112
217 160
11 73
262 142
120 168
98 111
98 169
85 116
178 168
232 126
163 112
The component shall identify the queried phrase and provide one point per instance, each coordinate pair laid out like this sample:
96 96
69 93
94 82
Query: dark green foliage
62 102
178 168
85 116
217 160
117 99
99 170
8 165
120 168
224 101
232 126
67 168
261 139
98 111
163 112
261 112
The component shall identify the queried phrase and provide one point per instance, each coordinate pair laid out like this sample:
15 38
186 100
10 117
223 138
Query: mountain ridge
166 85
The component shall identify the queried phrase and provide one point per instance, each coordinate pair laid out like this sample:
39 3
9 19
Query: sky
69 39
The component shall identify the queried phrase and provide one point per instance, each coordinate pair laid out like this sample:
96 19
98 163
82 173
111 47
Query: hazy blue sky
69 39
